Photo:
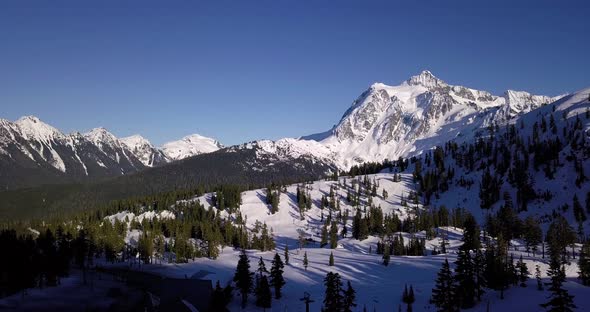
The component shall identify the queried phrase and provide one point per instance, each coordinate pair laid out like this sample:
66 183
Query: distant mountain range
34 153
384 122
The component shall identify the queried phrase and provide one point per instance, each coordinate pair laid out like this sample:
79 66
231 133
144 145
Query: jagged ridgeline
385 122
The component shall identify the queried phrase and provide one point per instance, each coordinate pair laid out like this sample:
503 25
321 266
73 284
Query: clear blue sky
246 70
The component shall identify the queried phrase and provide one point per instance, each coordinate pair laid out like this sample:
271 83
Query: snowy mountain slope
386 122
190 145
378 287
145 151
114 149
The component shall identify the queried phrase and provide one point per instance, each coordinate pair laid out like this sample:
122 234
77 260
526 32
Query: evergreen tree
145 246
479 263
263 294
532 233
305 261
523 272
465 284
443 294
559 236
324 240
560 300
349 298
579 213
243 277
333 235
331 262
584 264
220 298
261 268
276 275
333 299
538 277
386 256
471 233
286 254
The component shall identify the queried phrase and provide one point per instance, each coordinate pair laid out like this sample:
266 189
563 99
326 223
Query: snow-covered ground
378 287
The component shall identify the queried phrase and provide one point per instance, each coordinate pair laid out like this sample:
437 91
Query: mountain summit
190 145
391 121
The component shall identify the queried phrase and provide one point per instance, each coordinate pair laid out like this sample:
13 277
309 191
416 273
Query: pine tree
333 299
286 254
331 262
560 299
443 295
333 235
538 277
533 235
386 256
263 294
465 286
579 213
479 273
276 275
220 298
324 240
349 298
261 268
523 272
471 233
584 264
243 277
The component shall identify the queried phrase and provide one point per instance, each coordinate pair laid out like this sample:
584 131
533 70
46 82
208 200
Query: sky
245 70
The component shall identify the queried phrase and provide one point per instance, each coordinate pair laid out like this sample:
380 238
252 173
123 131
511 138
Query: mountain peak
100 134
190 145
425 79
136 140
33 128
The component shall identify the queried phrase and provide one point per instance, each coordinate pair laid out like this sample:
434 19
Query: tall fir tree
333 299
465 284
333 235
479 263
324 239
286 254
560 300
584 264
538 277
443 294
349 298
263 294
243 277
276 275
305 261
523 272
331 261
471 233
386 255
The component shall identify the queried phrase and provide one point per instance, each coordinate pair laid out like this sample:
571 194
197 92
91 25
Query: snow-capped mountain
190 145
34 153
384 122
149 155
423 111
